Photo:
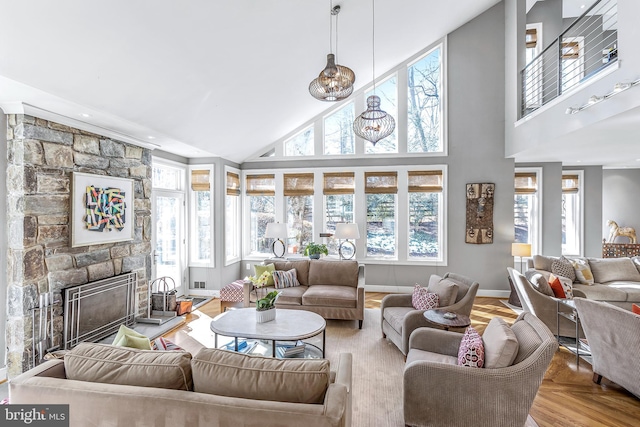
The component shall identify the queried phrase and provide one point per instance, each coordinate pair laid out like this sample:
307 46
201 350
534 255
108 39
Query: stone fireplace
40 158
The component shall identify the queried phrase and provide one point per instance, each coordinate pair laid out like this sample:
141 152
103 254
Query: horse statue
615 231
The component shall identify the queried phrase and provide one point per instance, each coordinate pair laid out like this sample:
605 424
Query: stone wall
41 156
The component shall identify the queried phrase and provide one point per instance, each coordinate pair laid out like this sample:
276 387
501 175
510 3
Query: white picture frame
105 219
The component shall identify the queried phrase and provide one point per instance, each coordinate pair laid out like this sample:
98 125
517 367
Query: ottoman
232 295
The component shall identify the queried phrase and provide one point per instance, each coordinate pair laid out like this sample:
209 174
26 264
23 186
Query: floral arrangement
262 280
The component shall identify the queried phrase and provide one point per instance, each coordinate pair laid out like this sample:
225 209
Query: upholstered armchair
438 392
399 318
545 307
612 334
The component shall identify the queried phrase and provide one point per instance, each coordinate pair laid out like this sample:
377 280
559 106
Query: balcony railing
585 48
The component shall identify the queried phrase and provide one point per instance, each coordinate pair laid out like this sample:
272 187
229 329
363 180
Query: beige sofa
116 386
332 288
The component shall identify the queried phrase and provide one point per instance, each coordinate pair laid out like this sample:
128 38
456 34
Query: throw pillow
259 269
561 286
423 299
635 308
447 291
563 267
164 344
500 344
583 271
539 282
127 337
471 351
285 279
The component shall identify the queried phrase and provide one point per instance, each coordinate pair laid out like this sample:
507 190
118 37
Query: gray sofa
334 289
108 386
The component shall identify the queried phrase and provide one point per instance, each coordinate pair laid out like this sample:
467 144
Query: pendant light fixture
335 82
374 124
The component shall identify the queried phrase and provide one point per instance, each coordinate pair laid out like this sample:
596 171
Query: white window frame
580 216
193 232
536 244
533 97
236 220
359 208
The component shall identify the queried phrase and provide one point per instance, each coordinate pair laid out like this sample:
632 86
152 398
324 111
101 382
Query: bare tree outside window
301 144
263 211
424 239
424 107
299 221
338 131
339 209
381 225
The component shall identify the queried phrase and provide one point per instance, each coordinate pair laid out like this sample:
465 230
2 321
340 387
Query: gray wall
620 201
3 242
549 12
592 209
476 105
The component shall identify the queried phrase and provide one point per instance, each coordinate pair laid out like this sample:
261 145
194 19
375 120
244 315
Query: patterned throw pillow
164 344
635 308
563 267
259 269
583 271
285 279
423 299
561 287
471 351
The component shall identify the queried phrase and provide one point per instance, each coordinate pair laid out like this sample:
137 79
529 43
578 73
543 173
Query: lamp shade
347 231
276 230
521 249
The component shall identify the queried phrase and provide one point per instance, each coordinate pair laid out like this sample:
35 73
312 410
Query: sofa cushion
331 296
395 316
421 299
291 296
613 269
325 272
542 262
259 269
103 363
631 289
500 344
301 266
539 282
563 267
600 292
447 291
227 373
471 351
422 355
285 279
583 271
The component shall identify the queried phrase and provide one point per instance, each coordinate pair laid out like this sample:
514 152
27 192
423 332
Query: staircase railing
585 48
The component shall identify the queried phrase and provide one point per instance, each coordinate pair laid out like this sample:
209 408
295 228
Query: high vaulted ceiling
201 77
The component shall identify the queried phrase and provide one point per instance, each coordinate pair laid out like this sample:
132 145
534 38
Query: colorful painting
101 209
106 209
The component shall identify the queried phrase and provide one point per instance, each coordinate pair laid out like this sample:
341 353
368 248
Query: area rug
377 371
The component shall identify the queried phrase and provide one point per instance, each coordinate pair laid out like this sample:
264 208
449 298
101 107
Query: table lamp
347 231
521 250
276 230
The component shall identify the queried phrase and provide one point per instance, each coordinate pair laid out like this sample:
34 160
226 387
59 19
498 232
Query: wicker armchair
438 392
612 334
399 318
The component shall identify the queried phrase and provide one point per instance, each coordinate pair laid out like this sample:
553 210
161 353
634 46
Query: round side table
437 316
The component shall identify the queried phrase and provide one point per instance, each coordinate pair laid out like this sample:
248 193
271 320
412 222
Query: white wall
3 244
620 200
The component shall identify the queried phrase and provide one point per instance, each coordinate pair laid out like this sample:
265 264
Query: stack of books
291 350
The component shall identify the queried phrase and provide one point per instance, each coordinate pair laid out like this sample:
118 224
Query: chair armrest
246 293
465 305
51 368
435 341
344 369
396 300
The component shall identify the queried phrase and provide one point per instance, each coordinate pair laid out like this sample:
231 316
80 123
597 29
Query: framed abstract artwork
480 213
101 209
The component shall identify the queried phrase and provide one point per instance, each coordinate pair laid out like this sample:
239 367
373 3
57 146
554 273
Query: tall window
571 213
232 218
201 218
424 80
388 93
301 144
338 131
526 211
298 192
425 201
380 190
572 61
261 191
533 79
338 190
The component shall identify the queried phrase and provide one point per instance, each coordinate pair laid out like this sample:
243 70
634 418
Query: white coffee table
289 325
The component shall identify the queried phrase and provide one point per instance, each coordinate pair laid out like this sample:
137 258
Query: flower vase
266 315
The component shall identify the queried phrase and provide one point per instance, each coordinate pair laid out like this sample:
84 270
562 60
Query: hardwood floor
567 396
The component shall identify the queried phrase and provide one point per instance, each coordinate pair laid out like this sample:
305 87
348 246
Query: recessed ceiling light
582 6
151 137
578 161
637 160
85 115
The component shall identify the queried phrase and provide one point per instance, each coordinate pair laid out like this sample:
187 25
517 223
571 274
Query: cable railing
585 48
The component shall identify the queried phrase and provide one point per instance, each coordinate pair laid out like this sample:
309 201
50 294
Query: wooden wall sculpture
480 213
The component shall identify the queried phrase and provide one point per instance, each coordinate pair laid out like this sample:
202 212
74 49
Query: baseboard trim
204 293
408 289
